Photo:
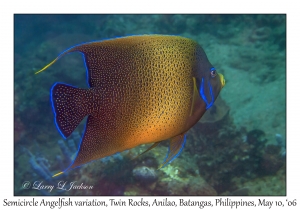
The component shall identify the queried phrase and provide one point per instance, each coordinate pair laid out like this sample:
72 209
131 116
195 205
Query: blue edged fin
94 143
176 146
70 105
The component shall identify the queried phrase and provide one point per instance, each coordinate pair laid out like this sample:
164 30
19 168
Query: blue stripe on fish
211 96
208 105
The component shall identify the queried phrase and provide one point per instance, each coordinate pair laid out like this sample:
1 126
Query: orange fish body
143 89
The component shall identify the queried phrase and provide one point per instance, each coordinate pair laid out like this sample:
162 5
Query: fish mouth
222 80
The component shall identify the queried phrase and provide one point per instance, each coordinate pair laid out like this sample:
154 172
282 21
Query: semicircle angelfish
142 89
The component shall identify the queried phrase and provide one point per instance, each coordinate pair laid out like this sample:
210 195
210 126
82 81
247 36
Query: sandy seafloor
248 49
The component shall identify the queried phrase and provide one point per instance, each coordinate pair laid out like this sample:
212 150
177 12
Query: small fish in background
142 89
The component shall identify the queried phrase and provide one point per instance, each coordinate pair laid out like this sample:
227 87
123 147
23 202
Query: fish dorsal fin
45 67
72 49
152 146
176 145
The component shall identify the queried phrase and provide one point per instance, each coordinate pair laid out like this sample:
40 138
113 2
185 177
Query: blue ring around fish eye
213 72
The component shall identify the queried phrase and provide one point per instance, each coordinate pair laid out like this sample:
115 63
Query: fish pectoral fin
152 146
176 146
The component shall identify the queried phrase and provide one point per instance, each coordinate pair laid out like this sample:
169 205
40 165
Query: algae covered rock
144 174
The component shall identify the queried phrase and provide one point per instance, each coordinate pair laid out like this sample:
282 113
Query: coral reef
240 154
272 160
19 130
144 174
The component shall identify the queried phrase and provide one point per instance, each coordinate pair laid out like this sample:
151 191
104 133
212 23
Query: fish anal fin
57 174
95 143
152 146
176 146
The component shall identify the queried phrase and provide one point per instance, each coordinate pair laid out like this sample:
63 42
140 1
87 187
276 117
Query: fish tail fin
70 105
72 49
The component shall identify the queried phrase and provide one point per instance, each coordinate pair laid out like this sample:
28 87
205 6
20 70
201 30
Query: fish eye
213 72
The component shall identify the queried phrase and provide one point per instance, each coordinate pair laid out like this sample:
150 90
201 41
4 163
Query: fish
141 89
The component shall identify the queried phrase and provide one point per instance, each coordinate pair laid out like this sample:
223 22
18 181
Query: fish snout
222 80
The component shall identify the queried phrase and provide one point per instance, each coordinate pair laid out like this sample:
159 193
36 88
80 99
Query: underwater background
237 148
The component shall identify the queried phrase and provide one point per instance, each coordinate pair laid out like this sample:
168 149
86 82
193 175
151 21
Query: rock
196 186
145 174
